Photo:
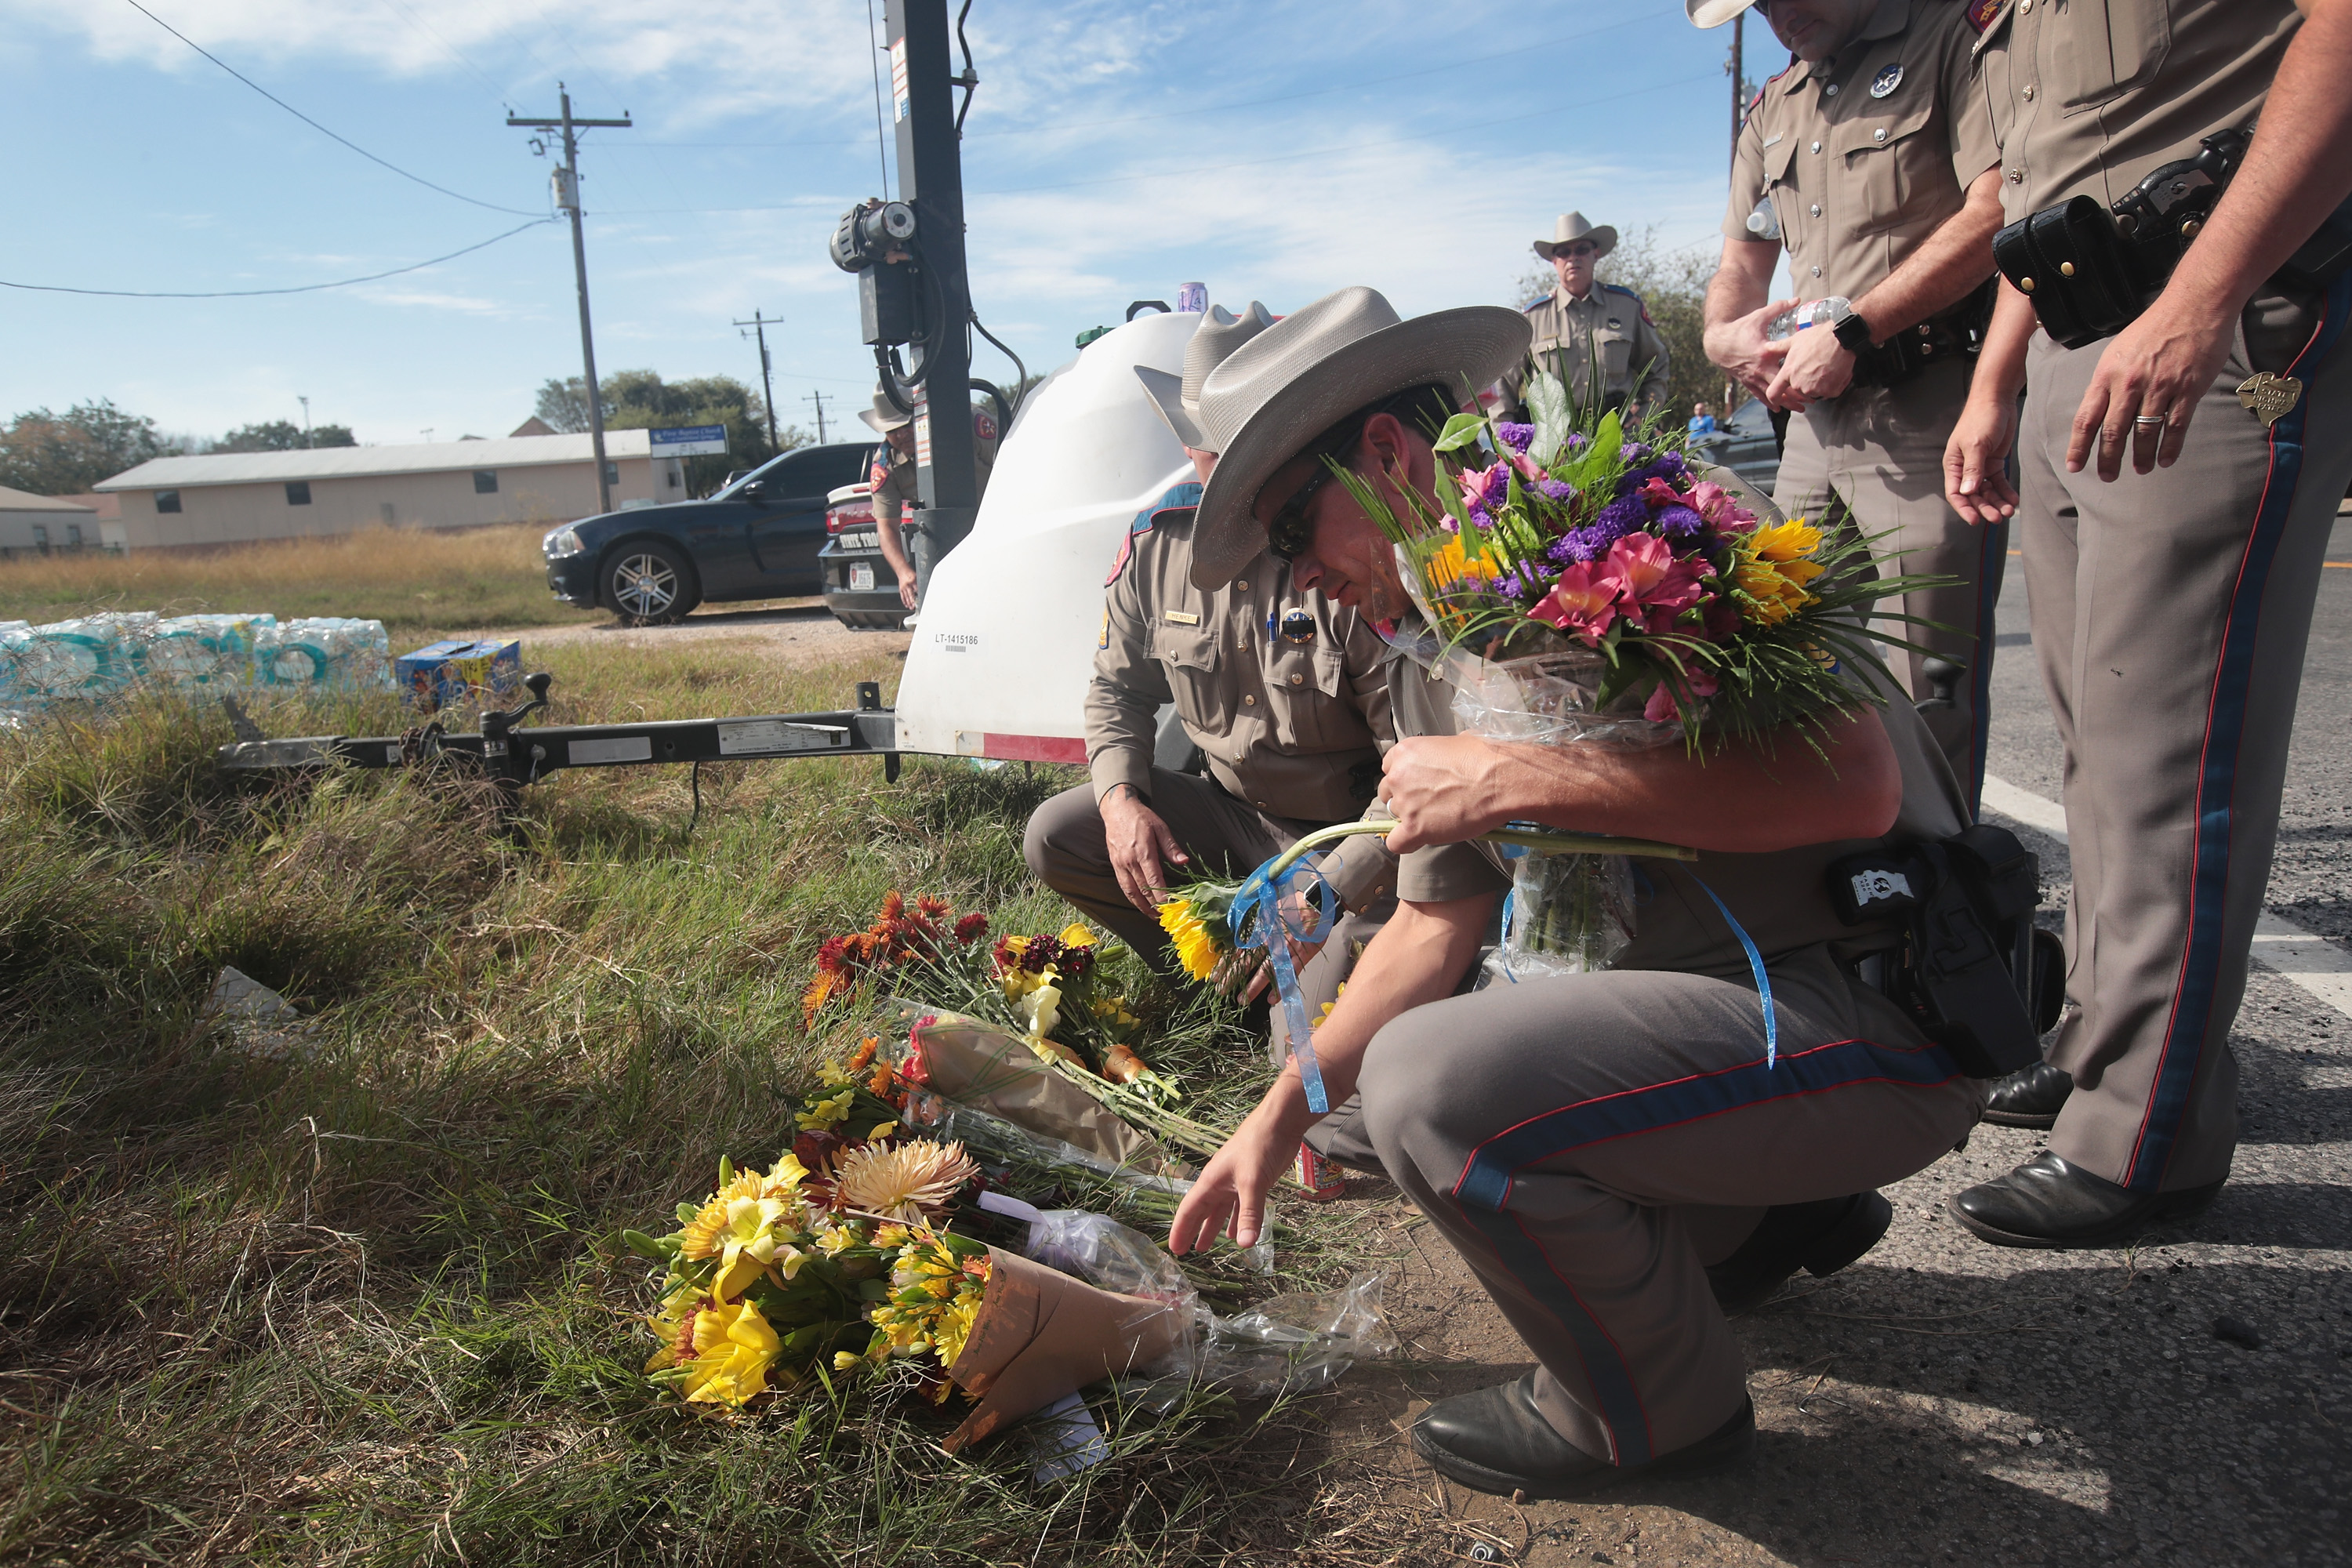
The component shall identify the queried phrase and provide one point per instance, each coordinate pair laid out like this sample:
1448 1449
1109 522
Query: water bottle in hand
1819 314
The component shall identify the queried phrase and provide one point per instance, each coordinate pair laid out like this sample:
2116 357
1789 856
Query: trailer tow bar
511 755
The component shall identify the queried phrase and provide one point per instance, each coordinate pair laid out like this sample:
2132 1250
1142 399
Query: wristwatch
1853 333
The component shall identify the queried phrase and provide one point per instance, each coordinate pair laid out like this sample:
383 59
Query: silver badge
1886 81
1615 325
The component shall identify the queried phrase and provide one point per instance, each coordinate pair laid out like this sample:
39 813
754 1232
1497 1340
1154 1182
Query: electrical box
886 303
566 185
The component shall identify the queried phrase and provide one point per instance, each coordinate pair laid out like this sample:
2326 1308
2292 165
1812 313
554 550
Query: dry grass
365 1305
413 582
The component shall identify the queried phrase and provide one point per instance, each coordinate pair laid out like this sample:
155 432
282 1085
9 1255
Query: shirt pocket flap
1779 157
1186 647
1885 128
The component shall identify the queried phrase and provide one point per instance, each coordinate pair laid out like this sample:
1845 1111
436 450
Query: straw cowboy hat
1178 399
883 416
1300 376
1714 13
1572 226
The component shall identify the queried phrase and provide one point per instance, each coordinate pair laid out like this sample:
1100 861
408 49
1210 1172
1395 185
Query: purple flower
1484 520
1678 522
1556 489
1520 585
1634 452
1515 437
1668 467
1575 440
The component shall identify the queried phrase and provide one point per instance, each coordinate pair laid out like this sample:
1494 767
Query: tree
641 400
283 435
1673 287
60 454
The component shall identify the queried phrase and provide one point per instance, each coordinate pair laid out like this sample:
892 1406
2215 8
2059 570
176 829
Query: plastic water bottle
1819 314
1764 223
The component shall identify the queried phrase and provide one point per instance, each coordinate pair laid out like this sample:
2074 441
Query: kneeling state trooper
1601 1148
1279 688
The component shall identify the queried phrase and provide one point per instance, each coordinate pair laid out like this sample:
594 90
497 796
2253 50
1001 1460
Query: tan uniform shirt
1291 723
2089 96
1568 331
1866 156
895 489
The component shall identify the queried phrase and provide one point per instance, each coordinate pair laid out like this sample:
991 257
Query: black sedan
756 538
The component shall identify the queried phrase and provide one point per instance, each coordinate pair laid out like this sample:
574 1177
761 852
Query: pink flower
1531 473
1713 502
1654 586
1583 601
1656 494
1485 488
1662 707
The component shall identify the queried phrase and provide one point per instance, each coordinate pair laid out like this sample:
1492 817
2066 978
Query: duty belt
1957 334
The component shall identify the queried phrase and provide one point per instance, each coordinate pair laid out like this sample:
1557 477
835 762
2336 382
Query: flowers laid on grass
1548 538
793 1267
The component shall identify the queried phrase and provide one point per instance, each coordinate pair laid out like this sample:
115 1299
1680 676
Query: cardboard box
455 673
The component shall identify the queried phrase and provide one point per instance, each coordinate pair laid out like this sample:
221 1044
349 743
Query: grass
476 580
365 1305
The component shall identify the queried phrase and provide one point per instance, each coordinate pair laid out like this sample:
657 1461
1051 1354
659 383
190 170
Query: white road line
2305 957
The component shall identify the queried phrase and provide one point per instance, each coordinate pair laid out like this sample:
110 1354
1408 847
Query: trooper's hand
1976 462
1816 368
1229 1195
2146 386
1302 954
1739 346
1139 841
907 586
1441 789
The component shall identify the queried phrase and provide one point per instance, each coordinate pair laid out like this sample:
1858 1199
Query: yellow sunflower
1775 565
1196 945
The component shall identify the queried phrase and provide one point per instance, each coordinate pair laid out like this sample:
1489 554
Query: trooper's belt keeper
1966 904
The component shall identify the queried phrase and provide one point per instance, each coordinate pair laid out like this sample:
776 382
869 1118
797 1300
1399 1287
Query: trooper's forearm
1742 283
894 548
2297 171
2000 364
1948 266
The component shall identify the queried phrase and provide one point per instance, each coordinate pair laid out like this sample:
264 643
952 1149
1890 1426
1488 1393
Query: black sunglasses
1288 534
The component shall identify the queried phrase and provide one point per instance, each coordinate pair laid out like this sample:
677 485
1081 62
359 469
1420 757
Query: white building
31 524
230 497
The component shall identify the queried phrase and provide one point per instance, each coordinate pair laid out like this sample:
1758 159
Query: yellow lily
734 1347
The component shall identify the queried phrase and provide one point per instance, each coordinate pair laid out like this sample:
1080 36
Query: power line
316 126
300 288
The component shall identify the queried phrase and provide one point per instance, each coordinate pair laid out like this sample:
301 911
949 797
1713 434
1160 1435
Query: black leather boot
1495 1440
2048 1203
2030 1097
1819 1237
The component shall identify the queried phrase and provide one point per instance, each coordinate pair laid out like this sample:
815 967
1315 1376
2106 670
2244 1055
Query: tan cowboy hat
1179 398
1300 376
1714 13
884 416
1572 226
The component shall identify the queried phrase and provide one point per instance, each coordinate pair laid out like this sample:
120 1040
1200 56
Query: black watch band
1853 333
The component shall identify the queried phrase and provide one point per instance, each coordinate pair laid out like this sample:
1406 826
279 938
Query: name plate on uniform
771 737
1184 617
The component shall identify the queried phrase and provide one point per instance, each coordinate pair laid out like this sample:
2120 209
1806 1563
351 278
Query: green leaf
1462 430
1548 401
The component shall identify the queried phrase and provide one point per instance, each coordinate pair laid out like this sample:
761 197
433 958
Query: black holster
1955 334
1966 971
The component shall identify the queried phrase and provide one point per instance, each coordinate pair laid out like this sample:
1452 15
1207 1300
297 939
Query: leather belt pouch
2069 260
1957 334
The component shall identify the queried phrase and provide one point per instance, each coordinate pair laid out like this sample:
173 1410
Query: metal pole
1738 81
767 384
587 333
818 398
930 178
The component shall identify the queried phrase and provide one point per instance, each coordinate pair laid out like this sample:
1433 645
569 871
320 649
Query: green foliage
283 435
641 400
66 454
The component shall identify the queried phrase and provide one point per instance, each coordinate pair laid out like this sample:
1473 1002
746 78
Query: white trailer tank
1007 639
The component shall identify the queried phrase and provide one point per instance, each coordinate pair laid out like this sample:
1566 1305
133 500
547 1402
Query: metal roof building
227 498
39 525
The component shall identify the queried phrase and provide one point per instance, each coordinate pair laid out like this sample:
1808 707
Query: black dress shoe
1498 1441
2030 1097
2048 1203
1819 1237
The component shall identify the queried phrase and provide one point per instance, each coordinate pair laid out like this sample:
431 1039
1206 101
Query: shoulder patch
1532 305
1177 506
983 424
1980 13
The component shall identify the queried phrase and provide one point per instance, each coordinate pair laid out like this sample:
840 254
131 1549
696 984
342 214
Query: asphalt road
1947 1401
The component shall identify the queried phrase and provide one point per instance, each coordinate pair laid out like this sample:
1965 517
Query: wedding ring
2149 419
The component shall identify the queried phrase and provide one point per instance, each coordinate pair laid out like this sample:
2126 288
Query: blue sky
1275 151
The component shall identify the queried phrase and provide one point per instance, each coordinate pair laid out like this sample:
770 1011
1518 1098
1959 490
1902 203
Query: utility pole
760 325
306 419
818 398
1738 82
567 197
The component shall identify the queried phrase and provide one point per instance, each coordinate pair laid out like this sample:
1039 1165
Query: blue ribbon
1755 967
1258 907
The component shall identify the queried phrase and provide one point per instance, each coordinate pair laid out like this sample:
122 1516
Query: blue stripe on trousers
2225 723
1483 1191
1992 563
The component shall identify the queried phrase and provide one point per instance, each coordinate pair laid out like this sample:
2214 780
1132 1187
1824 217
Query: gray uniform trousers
1874 457
1589 1143
2170 612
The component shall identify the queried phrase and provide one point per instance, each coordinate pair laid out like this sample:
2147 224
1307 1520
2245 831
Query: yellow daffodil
1076 935
1196 945
826 1114
734 1347
1774 565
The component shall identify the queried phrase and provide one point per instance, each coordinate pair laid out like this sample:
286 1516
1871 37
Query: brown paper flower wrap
983 1066
1042 1334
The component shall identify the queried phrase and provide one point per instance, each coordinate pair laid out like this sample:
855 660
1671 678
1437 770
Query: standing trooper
1877 160
2169 611
1580 321
1282 690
